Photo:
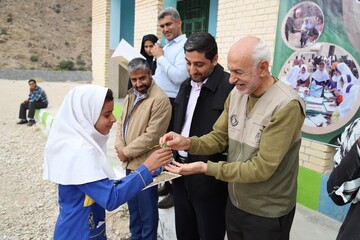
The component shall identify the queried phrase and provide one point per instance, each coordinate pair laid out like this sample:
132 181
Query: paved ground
28 204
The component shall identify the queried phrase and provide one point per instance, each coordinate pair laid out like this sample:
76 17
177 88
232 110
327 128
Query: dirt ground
28 204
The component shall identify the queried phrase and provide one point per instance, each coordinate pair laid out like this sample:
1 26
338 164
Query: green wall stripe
309 185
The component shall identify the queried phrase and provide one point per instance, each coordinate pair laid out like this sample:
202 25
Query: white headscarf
350 92
343 69
321 76
75 150
304 76
336 78
293 76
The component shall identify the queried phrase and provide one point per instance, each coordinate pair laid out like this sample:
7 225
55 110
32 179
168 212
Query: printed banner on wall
317 54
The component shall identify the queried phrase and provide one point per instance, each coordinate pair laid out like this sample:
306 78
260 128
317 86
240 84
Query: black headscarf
149 59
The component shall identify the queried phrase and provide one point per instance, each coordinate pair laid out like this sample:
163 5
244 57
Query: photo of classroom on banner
327 79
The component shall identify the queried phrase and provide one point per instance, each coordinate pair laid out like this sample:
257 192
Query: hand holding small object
158 158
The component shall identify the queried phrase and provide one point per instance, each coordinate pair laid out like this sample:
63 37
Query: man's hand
175 141
186 168
26 101
158 158
121 155
157 51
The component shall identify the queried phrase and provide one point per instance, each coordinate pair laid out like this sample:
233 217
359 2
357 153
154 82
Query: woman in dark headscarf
147 43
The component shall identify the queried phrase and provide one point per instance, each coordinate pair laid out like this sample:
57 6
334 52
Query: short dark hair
32 80
202 42
137 64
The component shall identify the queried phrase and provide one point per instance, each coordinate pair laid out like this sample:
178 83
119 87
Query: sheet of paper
328 95
315 100
124 53
309 123
161 178
319 120
302 89
330 106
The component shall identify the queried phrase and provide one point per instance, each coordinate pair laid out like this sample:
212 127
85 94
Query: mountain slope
39 34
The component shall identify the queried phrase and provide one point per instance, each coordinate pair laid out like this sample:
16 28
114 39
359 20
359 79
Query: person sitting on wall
37 99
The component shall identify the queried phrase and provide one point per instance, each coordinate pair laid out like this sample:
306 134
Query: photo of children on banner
330 89
303 25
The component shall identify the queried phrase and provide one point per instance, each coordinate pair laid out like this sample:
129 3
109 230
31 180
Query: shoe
166 202
22 121
31 122
164 190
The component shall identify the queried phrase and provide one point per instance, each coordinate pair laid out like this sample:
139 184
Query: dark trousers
198 218
32 106
144 215
241 225
171 124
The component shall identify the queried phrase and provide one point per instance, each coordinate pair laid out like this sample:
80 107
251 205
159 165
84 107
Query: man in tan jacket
145 118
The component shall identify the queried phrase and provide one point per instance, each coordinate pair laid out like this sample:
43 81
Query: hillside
39 34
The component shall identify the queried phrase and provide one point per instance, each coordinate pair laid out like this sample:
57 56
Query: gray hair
169 11
138 64
261 52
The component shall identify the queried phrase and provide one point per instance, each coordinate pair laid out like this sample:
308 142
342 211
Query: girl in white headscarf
343 69
349 92
304 76
293 76
320 76
75 159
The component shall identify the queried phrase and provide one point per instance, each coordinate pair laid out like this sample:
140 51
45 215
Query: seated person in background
37 99
75 159
313 34
305 28
344 69
349 94
304 77
293 76
320 76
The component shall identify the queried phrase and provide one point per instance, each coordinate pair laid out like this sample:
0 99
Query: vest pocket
255 129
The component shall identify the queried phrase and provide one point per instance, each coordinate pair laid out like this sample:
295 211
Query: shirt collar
177 39
195 85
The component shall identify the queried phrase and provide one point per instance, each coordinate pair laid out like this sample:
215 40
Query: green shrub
66 65
9 18
3 31
79 61
57 8
34 58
